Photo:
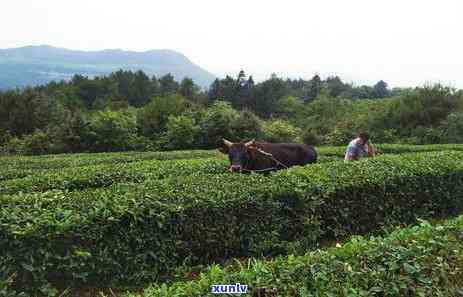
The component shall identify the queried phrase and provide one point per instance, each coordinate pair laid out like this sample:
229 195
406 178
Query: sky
405 43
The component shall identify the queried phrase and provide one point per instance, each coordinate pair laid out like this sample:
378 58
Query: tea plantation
176 223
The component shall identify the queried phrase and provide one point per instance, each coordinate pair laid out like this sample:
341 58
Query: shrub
311 138
340 136
137 232
103 175
112 131
15 145
182 132
281 131
247 126
424 260
5 136
152 119
452 127
217 123
38 143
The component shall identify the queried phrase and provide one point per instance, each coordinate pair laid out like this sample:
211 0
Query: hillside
34 65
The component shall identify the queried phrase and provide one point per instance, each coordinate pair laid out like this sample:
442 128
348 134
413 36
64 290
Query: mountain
34 65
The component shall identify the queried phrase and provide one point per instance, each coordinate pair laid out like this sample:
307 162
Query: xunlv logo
229 289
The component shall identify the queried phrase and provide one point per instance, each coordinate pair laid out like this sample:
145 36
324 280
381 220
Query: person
359 147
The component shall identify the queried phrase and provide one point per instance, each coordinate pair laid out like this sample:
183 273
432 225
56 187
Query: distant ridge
35 65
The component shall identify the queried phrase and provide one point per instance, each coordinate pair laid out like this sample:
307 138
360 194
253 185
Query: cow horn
227 143
249 143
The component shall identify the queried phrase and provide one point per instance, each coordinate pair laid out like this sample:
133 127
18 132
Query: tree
381 90
22 112
280 131
266 96
168 84
182 132
247 126
363 92
289 107
188 89
250 83
73 133
215 89
241 79
335 86
242 94
217 123
142 89
112 131
315 87
452 127
89 91
152 119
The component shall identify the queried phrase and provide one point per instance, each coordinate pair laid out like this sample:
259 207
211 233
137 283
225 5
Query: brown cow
255 156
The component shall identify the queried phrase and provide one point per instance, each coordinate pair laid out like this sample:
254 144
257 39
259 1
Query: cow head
239 153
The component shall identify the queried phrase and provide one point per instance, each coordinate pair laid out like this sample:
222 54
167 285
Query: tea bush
78 178
424 260
393 149
133 232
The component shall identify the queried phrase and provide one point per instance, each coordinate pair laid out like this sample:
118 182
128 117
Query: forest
128 110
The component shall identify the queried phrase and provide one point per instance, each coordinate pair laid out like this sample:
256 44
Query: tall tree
315 87
381 90
188 89
335 86
168 84
142 90
267 94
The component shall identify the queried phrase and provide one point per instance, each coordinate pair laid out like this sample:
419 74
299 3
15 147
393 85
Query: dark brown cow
255 156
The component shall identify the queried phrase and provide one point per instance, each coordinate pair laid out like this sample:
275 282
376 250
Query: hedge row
79 178
22 166
102 175
424 260
339 151
132 233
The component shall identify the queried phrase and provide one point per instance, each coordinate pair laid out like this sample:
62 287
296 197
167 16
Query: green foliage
37 143
134 222
112 130
188 89
424 260
152 119
289 107
247 126
280 131
182 132
23 166
5 136
315 87
426 107
340 136
452 127
381 90
323 114
168 84
103 175
24 112
311 138
328 108
217 123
